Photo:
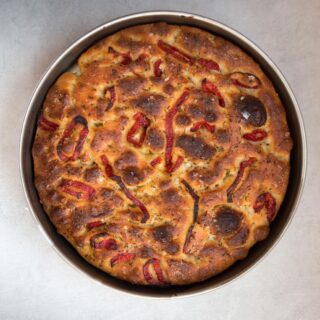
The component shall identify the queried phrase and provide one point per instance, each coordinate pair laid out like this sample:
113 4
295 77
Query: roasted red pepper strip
126 59
208 64
77 189
209 87
94 224
195 214
170 134
107 167
102 241
244 164
155 161
259 204
256 135
156 68
141 122
268 201
187 239
121 257
118 180
177 164
175 52
245 80
202 124
141 57
184 57
157 269
47 125
67 133
112 93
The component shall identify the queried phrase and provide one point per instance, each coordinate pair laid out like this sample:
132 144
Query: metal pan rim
69 55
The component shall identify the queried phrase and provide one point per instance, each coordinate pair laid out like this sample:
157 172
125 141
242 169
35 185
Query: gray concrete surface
36 284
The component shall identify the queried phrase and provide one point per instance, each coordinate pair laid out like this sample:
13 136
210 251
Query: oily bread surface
201 216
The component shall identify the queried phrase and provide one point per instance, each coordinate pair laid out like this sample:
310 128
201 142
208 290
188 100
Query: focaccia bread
164 157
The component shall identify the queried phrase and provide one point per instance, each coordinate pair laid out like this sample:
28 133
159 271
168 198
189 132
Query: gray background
35 283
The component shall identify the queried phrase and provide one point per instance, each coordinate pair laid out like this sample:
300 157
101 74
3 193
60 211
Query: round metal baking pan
298 159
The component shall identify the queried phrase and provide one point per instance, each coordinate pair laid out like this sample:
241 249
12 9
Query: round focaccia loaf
164 157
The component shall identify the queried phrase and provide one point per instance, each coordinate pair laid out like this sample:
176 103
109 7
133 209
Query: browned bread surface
165 157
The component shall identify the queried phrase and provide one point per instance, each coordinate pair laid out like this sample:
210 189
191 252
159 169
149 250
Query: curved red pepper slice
118 180
260 203
102 241
187 239
141 57
244 164
195 214
158 271
245 80
209 64
155 161
47 125
176 165
141 122
67 133
156 68
209 87
203 124
107 167
112 93
170 134
184 57
256 135
121 257
178 54
94 224
268 201
126 59
77 189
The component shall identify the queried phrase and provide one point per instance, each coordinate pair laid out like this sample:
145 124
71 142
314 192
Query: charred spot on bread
131 86
183 120
93 174
171 197
162 234
195 147
127 158
154 139
132 175
227 220
151 104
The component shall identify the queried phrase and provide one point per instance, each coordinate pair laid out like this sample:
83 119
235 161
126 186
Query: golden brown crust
166 158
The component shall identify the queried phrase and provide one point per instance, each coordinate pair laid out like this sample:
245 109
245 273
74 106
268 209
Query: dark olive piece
252 110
